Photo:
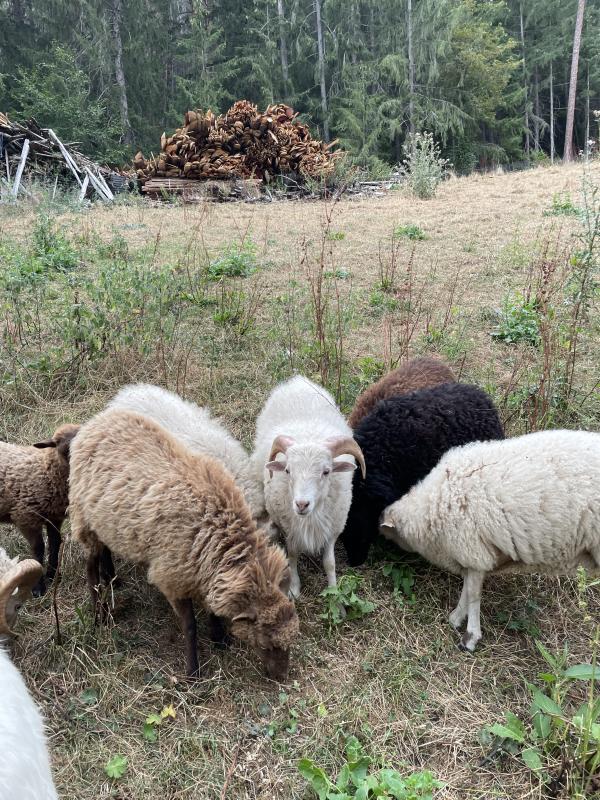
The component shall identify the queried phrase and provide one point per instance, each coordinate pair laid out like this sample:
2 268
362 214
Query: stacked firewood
242 143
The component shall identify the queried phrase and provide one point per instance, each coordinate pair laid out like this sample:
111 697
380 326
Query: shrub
519 321
423 166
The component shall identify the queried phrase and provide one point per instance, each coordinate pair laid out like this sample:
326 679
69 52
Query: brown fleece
137 490
419 373
34 484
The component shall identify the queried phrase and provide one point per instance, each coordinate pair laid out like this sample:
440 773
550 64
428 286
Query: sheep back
525 504
402 439
418 373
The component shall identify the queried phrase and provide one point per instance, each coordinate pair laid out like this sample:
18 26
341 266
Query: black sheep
402 440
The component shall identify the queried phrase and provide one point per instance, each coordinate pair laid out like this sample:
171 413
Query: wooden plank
109 194
66 155
98 186
20 168
86 182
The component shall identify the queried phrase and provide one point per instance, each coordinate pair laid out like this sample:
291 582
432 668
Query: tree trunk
411 69
526 115
536 109
552 149
568 151
283 48
587 116
322 71
119 73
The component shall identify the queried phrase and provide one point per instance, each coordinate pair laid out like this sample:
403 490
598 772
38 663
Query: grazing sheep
419 373
299 433
136 489
402 439
198 430
529 504
34 492
24 766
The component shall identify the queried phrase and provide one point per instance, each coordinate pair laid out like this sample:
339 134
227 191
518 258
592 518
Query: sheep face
270 629
307 468
61 440
390 526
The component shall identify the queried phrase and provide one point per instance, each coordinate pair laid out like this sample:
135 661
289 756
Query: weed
355 779
382 301
412 232
342 601
423 165
519 321
403 580
336 236
562 205
235 261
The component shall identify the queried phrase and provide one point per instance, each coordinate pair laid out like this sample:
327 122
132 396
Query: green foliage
356 780
238 260
410 231
562 205
423 165
403 580
519 321
559 726
342 602
116 767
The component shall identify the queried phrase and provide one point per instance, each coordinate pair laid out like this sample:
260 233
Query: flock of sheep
158 481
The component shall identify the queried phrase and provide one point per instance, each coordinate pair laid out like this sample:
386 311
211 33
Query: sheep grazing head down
268 621
17 579
390 526
61 440
309 466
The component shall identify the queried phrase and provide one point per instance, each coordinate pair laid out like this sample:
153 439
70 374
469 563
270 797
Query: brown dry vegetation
395 678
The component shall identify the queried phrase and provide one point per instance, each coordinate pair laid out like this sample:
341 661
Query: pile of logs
38 152
242 143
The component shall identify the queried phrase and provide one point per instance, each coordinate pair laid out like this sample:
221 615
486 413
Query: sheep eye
326 471
287 470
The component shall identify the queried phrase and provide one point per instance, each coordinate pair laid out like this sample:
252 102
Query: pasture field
219 302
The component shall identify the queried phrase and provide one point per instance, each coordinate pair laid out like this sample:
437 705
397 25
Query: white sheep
528 504
198 430
299 433
24 765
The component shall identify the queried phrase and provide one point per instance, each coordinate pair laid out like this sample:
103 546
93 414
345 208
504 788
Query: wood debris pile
28 149
242 143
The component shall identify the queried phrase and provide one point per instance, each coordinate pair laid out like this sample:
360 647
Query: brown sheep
419 373
34 492
136 490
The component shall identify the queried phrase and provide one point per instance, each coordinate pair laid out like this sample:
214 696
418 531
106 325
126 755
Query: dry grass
395 678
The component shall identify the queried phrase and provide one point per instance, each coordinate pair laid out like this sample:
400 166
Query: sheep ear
46 443
274 466
249 616
343 466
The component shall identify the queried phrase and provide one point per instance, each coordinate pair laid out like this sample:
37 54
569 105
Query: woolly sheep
138 491
402 439
34 493
299 433
529 504
198 430
419 373
25 765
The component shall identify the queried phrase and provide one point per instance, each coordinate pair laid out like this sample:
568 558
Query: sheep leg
294 590
107 567
458 616
53 532
35 538
474 583
93 578
184 608
219 635
329 563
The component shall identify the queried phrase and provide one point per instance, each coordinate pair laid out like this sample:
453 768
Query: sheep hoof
467 642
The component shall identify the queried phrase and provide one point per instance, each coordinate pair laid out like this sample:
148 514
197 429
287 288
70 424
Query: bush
423 166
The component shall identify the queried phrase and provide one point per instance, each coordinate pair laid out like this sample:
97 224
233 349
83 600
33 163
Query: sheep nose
302 506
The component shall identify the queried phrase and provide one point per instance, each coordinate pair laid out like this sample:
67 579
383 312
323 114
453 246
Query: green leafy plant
412 232
154 721
116 767
519 321
342 601
336 236
403 581
562 205
423 166
238 260
561 732
356 782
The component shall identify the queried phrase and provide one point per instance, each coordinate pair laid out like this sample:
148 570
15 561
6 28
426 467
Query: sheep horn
346 445
23 575
280 445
